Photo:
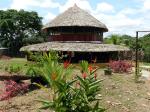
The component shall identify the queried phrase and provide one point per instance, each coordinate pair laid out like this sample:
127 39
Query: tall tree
18 26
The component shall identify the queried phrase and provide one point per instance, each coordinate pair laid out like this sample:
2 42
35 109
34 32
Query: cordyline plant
120 66
12 89
80 94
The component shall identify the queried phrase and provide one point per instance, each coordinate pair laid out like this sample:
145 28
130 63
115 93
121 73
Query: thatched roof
75 16
74 46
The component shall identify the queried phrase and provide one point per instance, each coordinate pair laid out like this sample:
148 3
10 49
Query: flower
90 68
84 75
66 64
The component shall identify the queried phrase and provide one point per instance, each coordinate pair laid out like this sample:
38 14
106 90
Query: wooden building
78 32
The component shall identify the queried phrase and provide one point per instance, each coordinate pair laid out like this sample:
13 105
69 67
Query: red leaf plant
120 66
12 89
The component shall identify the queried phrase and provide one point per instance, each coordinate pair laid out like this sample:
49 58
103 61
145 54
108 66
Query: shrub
39 60
32 71
13 69
120 66
12 89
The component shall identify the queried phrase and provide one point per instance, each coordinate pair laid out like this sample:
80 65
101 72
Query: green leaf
95 83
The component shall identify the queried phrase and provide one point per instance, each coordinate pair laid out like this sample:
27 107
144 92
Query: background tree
113 39
129 41
145 44
19 28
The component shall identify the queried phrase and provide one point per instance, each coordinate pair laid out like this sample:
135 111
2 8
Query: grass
145 63
21 62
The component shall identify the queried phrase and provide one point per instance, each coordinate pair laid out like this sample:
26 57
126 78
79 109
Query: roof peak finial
75 5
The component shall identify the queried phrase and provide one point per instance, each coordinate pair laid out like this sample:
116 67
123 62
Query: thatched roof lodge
76 30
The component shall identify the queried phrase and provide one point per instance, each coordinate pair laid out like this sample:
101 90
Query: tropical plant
77 95
12 89
47 67
120 66
88 92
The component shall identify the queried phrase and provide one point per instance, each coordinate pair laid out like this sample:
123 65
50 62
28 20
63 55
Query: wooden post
136 59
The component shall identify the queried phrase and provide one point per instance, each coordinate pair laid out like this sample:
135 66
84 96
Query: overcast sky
120 16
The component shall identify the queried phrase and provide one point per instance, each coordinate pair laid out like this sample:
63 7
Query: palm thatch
75 16
74 46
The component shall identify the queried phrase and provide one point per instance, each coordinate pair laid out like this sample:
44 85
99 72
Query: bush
120 66
32 72
12 89
44 65
13 69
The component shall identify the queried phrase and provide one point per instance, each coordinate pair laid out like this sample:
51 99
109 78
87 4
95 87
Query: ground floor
92 57
78 50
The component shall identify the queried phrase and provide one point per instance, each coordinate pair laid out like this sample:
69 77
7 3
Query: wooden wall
74 37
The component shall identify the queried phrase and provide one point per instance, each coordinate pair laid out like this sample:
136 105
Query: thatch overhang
75 17
74 46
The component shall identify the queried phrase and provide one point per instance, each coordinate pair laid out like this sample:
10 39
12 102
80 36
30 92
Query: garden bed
119 94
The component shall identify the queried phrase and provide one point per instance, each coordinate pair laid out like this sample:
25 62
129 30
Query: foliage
31 71
88 92
77 95
18 28
12 89
20 62
84 66
42 63
13 68
120 66
113 39
143 43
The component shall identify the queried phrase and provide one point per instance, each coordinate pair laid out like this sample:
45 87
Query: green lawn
21 62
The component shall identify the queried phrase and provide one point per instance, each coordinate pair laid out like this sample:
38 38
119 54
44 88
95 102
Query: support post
136 59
